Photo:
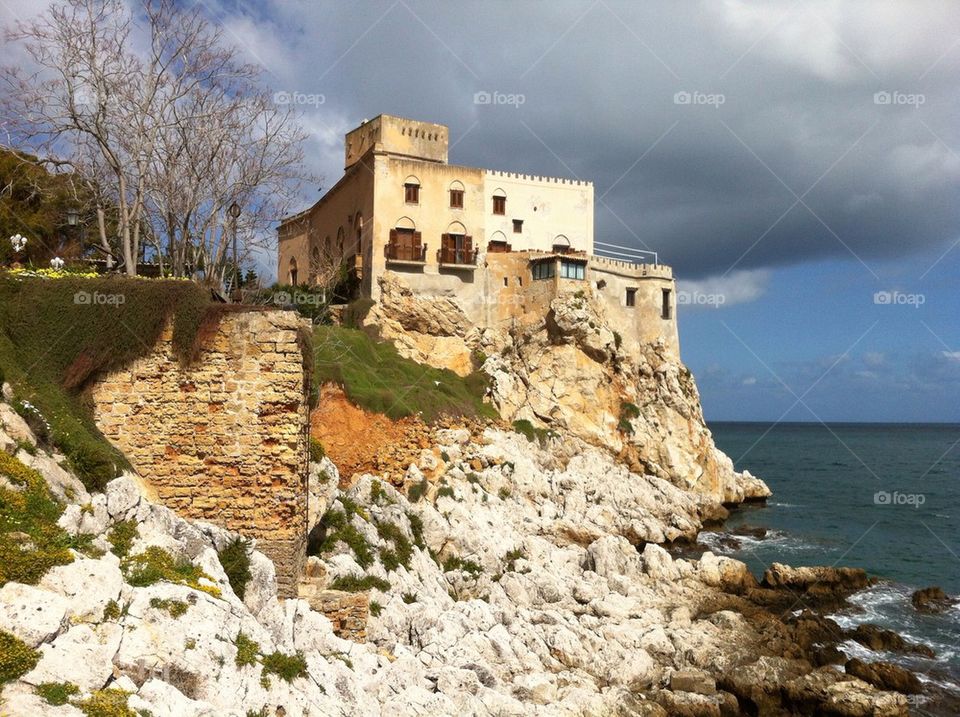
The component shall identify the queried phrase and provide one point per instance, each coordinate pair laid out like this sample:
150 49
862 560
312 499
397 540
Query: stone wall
224 440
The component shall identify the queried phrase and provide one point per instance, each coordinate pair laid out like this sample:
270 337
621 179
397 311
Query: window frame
579 270
411 189
499 205
630 299
518 226
456 198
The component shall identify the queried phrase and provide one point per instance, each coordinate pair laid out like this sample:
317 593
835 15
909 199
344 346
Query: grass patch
31 542
409 598
155 565
532 433
175 608
317 451
455 562
445 491
417 491
378 495
57 693
402 550
375 377
247 650
503 493
353 584
106 703
628 411
416 527
512 557
375 608
121 537
55 337
336 527
16 657
235 560
111 611
286 667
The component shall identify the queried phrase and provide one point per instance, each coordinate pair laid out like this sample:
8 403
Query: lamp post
18 243
234 212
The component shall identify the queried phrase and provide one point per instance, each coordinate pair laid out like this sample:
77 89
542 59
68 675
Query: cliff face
568 371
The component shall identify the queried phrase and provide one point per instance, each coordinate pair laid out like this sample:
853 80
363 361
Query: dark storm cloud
781 151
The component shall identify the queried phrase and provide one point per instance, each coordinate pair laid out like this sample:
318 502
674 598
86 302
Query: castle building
503 244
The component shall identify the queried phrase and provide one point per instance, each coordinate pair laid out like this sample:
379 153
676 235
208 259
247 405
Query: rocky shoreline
502 577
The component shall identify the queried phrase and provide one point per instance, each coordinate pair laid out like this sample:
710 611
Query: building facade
501 243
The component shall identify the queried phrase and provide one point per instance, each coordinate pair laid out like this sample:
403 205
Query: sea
882 497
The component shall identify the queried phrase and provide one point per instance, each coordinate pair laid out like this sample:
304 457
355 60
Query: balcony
404 254
457 258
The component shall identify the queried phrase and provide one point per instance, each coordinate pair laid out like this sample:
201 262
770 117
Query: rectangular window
456 199
517 226
411 193
572 270
666 312
543 270
631 297
500 205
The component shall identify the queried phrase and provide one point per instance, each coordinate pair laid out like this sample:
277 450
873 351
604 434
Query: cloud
737 287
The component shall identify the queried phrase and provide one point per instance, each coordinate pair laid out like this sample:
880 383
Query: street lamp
73 217
234 212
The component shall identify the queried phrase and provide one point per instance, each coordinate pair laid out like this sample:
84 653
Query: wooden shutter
468 244
416 238
393 236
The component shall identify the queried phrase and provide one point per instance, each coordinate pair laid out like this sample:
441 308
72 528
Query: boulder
14 426
64 486
886 676
932 600
33 614
87 585
880 639
693 681
83 655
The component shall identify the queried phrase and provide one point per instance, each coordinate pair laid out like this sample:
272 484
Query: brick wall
225 439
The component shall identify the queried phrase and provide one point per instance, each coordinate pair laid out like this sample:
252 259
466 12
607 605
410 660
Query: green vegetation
111 611
121 537
336 527
56 334
409 598
57 693
402 551
445 491
286 667
416 527
317 451
455 562
375 608
235 559
628 411
247 650
378 495
106 703
375 377
355 312
155 565
512 557
532 433
503 493
353 584
417 491
33 513
175 608
16 658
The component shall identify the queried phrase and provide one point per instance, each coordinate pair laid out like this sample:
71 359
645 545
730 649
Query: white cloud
737 287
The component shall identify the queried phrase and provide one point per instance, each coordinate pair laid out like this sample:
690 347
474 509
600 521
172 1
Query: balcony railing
460 257
401 252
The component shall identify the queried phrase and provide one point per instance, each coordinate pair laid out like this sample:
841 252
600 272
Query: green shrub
111 611
512 557
175 608
16 657
30 511
375 377
355 312
416 527
445 491
417 491
503 493
57 693
628 411
235 560
617 340
531 432
402 550
155 565
455 562
247 650
317 452
375 608
353 584
336 527
106 703
121 537
378 495
409 598
286 667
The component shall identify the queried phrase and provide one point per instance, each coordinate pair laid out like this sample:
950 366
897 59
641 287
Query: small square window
517 226
456 199
500 205
411 193
631 297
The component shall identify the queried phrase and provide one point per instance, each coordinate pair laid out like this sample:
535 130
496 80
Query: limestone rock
87 585
65 487
32 614
14 426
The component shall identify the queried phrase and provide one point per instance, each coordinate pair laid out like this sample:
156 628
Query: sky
796 162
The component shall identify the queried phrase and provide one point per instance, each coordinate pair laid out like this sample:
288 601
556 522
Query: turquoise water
882 497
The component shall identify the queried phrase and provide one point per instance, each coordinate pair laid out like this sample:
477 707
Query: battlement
397 135
536 178
629 268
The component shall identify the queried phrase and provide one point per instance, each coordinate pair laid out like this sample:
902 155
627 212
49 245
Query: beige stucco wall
548 207
224 440
397 135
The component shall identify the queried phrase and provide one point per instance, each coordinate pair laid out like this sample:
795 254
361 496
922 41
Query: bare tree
165 120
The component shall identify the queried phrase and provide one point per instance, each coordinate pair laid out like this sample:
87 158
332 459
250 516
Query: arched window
411 190
405 242
293 271
456 246
561 245
498 243
456 194
499 201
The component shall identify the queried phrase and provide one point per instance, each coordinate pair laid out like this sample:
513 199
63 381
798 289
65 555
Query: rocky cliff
568 371
507 578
